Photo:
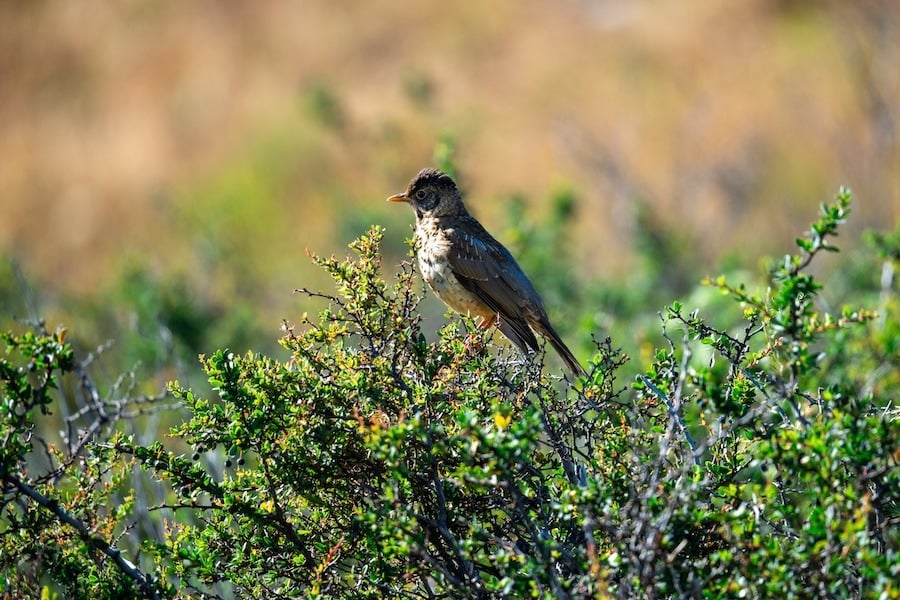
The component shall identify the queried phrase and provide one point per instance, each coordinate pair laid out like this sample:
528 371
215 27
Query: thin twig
684 430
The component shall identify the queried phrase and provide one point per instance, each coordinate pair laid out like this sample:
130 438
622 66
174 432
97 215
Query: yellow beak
398 198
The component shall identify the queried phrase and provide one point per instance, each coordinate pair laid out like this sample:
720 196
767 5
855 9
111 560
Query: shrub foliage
753 457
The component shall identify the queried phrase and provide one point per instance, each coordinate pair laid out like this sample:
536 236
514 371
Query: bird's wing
487 269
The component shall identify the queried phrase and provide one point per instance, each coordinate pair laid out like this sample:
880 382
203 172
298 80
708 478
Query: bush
752 458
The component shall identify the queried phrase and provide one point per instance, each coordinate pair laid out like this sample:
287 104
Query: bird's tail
564 353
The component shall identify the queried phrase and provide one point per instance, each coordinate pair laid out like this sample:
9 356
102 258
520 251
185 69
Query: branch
124 565
673 413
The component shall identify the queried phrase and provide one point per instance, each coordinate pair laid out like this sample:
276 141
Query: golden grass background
220 140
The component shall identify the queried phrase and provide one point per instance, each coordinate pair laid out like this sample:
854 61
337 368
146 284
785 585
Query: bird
471 272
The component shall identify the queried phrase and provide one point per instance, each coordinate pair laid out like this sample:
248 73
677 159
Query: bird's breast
434 263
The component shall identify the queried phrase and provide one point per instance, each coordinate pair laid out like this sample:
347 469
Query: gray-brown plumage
471 271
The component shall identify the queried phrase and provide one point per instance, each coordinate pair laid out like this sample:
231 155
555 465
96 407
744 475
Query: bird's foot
473 345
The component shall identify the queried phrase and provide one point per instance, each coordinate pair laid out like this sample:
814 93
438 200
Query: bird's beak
398 198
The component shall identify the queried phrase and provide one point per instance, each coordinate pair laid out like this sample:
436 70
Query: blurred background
165 166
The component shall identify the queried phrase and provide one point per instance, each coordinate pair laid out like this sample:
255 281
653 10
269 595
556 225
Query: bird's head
432 193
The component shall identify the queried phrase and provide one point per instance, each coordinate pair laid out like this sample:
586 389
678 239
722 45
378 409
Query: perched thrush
473 273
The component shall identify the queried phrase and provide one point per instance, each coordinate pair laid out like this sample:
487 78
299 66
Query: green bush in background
752 453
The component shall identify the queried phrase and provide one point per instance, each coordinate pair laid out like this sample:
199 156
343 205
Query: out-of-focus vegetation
212 145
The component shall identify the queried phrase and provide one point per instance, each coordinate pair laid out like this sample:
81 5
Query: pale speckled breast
432 255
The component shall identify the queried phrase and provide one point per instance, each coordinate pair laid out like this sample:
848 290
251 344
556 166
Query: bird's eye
420 195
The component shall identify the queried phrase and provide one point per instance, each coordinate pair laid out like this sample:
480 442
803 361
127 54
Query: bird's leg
472 347
488 321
